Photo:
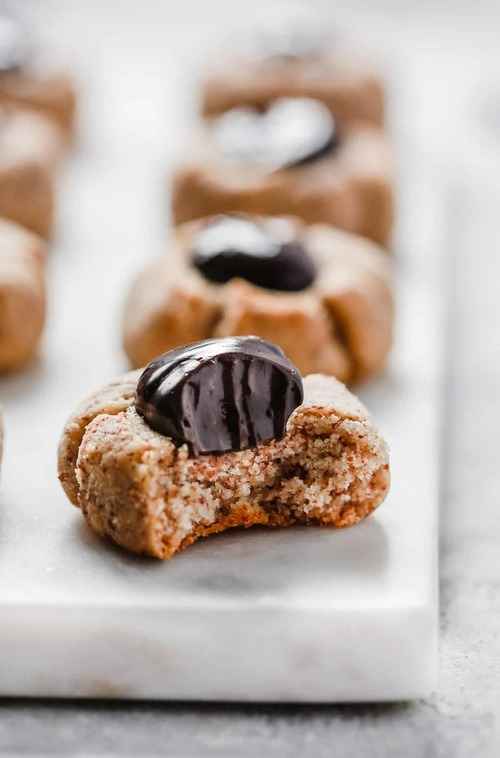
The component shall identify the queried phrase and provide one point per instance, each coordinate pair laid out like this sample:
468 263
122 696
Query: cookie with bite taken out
220 434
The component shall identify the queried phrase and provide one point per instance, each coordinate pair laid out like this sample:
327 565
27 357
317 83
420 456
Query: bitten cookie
25 80
29 145
290 158
22 294
154 463
323 295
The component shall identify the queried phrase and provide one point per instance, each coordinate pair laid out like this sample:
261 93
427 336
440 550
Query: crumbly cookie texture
351 188
22 294
136 487
341 325
47 92
29 148
350 87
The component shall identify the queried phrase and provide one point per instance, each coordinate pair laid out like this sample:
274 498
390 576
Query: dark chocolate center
220 395
290 132
265 254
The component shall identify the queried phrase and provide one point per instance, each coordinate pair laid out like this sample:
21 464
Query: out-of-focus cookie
294 55
27 81
217 435
22 295
29 146
323 295
293 157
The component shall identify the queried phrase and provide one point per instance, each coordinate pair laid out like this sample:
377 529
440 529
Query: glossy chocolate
14 44
264 253
220 395
289 133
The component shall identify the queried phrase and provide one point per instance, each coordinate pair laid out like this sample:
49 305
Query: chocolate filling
220 395
266 254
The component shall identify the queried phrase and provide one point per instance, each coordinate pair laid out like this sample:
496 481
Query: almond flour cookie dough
323 295
154 465
22 295
29 146
290 158
28 82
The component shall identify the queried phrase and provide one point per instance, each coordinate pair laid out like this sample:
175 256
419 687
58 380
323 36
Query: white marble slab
297 615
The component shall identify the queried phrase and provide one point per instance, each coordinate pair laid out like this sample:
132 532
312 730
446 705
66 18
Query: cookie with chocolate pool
290 157
323 295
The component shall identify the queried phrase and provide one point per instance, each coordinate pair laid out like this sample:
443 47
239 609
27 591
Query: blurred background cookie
22 294
292 52
319 457
292 157
28 80
29 146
